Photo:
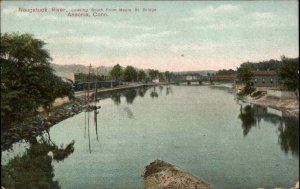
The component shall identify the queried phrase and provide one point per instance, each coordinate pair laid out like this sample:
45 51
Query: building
90 81
224 78
265 79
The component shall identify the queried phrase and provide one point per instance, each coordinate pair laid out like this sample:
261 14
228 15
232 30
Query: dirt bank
162 175
290 106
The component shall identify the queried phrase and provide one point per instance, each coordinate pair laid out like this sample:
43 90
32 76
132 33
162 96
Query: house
265 79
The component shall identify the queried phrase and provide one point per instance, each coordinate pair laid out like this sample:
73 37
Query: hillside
68 71
201 72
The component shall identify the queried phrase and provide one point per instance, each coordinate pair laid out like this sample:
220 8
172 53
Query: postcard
149 94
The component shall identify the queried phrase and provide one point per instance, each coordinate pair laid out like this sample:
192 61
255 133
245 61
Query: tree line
131 74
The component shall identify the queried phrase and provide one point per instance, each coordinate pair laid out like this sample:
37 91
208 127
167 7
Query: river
204 130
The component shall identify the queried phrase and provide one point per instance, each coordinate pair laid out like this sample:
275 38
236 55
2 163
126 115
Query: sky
173 36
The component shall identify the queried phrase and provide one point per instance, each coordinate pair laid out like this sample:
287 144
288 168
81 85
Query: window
255 80
263 80
271 80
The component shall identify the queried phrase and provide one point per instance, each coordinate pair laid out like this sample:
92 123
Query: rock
162 175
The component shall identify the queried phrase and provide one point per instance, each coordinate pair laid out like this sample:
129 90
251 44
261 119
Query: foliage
289 73
141 75
168 75
116 72
225 72
27 80
153 74
245 75
130 74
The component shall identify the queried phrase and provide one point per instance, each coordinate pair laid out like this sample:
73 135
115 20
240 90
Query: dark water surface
204 130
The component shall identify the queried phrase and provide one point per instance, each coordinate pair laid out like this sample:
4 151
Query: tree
168 75
116 72
245 75
225 72
141 75
130 74
153 74
27 80
289 73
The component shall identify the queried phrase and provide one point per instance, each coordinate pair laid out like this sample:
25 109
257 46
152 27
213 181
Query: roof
256 73
264 73
230 76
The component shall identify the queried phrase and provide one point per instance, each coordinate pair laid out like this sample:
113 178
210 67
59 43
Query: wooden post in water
95 95
88 92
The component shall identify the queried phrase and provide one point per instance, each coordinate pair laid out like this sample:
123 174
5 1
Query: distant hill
68 71
201 72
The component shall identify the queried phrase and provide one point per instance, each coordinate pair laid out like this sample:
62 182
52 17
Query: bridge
191 78
199 79
227 78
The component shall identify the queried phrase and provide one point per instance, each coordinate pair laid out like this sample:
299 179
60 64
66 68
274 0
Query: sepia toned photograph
149 94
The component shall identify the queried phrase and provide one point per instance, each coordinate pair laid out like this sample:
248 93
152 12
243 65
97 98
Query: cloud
146 36
231 17
217 10
104 41
211 12
138 41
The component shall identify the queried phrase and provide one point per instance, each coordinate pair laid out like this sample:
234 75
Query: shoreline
80 94
289 106
37 124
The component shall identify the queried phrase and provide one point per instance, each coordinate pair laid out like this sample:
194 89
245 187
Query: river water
204 130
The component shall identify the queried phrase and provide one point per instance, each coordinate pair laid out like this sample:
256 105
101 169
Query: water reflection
169 90
96 112
130 96
116 98
34 169
128 112
288 137
87 129
142 91
153 93
247 118
160 89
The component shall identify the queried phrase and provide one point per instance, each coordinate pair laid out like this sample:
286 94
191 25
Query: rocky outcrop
162 175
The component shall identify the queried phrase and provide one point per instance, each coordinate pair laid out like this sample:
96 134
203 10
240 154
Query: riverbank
162 175
82 94
291 106
38 124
